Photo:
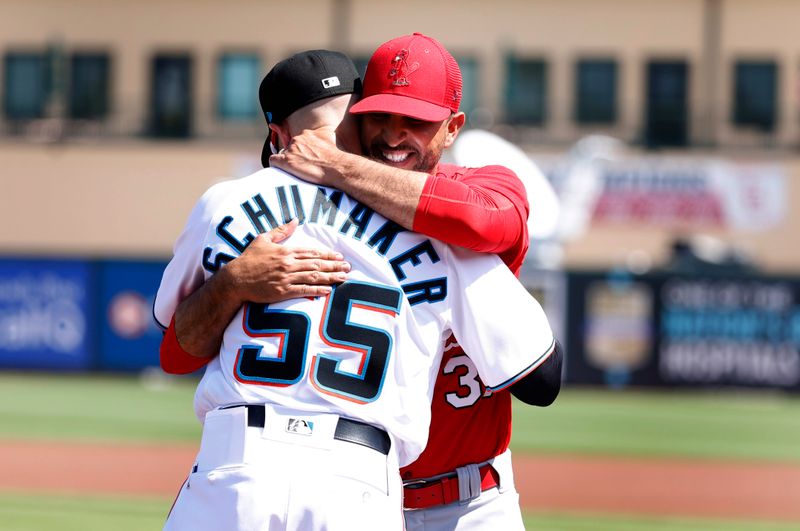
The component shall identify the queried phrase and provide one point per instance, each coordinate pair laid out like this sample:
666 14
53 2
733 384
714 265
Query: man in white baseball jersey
313 404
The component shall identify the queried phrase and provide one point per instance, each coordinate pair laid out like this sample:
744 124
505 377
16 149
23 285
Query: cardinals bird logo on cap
401 69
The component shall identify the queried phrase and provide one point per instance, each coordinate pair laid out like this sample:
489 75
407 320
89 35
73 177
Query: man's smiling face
404 142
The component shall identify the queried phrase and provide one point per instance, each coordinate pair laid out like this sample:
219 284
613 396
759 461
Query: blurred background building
116 116
684 73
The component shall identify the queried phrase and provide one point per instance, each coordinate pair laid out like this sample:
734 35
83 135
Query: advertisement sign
596 183
739 196
129 337
660 329
611 318
45 309
730 331
618 327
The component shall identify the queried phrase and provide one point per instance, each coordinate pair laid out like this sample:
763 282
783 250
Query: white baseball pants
291 474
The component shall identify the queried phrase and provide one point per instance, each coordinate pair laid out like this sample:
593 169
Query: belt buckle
415 483
418 483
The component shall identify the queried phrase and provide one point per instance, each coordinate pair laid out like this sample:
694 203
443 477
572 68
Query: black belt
347 430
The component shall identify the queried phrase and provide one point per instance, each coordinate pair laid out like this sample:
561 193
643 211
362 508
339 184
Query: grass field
20 512
67 407
741 425
73 513
603 522
720 425
731 425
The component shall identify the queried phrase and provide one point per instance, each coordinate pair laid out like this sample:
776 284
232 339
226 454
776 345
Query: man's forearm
483 209
201 319
392 192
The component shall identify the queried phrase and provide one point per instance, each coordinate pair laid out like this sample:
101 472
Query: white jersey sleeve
495 316
184 273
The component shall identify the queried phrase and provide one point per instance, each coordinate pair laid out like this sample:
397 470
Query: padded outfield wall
619 329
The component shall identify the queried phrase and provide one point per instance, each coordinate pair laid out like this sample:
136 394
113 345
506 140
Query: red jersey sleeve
483 209
175 360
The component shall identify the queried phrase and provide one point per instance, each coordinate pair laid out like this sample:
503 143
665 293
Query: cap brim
403 105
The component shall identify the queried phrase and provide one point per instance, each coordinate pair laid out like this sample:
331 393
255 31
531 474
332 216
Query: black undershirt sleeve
541 387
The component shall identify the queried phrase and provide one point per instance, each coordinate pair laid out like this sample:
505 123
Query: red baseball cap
414 76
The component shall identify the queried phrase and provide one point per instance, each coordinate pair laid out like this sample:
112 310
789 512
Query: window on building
596 91
171 96
667 112
470 84
237 86
89 86
755 98
526 91
26 81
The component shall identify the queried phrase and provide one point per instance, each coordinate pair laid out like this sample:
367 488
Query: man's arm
265 272
484 210
314 157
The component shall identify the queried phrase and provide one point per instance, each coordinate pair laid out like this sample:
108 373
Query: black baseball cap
301 79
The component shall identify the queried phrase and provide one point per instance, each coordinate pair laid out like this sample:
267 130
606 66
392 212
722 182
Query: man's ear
454 125
279 136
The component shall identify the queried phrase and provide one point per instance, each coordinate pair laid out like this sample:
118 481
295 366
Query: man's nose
394 132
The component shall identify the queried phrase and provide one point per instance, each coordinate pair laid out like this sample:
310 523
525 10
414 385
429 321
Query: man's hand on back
312 156
266 272
269 272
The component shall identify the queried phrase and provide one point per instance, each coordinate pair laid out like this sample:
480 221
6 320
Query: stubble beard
423 162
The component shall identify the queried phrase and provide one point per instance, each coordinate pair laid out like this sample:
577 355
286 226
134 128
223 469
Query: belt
442 491
347 430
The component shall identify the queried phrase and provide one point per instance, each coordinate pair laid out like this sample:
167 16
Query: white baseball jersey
370 350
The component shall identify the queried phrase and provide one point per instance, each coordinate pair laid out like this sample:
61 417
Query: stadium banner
45 314
129 337
663 329
596 184
735 195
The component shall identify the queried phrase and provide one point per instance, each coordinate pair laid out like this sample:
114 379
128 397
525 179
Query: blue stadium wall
653 330
78 315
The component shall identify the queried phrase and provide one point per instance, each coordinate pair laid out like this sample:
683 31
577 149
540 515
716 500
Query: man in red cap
409 112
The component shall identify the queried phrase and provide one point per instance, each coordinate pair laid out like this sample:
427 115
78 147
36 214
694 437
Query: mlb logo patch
330 82
299 426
